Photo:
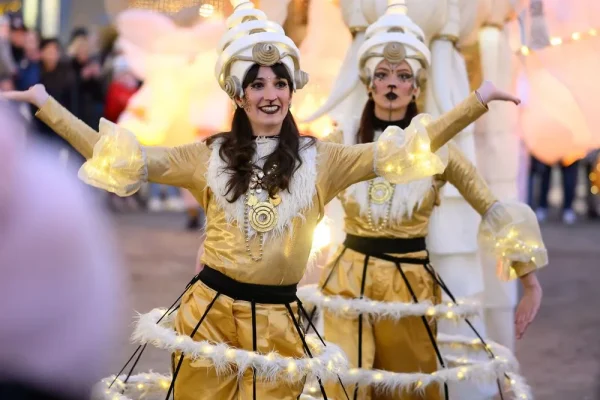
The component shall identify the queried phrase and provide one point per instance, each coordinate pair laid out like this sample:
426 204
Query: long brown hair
366 130
238 147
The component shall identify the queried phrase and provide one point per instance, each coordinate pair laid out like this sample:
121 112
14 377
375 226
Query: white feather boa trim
147 386
141 386
327 362
299 198
350 308
504 367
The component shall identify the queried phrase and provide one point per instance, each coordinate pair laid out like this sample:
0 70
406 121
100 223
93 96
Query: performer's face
267 101
392 88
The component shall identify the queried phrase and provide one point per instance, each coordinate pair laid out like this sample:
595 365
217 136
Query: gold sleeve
444 128
508 231
462 173
341 166
72 129
177 166
116 162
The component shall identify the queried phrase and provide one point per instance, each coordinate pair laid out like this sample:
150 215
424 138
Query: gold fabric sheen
459 172
403 345
230 321
283 263
399 346
285 257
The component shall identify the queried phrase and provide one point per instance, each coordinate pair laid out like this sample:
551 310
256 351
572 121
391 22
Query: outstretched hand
489 92
35 95
529 305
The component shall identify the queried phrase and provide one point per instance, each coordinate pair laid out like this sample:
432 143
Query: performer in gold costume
383 264
235 331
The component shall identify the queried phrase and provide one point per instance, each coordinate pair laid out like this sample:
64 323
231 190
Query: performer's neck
381 124
386 114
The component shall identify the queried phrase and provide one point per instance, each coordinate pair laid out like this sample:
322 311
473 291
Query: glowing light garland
558 41
328 360
350 308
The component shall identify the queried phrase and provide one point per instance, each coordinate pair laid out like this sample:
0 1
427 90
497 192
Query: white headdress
395 38
252 39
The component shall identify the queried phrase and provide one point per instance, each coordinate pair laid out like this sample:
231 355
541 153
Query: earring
370 94
243 102
414 99
290 106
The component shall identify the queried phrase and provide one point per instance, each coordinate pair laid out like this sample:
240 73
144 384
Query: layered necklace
262 216
380 192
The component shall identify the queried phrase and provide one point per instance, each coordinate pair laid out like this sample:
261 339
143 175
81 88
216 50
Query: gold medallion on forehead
394 52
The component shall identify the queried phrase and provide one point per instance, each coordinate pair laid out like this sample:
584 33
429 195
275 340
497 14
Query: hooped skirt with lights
229 340
380 300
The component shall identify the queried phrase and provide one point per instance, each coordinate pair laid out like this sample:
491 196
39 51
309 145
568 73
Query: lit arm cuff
511 233
118 163
403 156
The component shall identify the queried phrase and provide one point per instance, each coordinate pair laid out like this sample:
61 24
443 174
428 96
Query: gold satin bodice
459 172
286 255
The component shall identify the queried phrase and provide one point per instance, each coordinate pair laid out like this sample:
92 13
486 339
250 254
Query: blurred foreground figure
60 283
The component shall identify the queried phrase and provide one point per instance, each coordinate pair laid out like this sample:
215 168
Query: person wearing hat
263 188
18 34
383 262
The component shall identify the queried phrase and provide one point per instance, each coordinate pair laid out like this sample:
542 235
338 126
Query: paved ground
560 356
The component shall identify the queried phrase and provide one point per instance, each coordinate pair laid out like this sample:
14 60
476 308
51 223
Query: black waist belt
265 294
383 247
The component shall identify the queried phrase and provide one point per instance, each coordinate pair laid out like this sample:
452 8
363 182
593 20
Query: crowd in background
92 79
578 199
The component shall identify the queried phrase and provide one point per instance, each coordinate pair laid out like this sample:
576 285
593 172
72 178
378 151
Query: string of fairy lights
206 8
558 41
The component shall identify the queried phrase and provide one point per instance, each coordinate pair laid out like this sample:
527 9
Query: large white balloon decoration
558 118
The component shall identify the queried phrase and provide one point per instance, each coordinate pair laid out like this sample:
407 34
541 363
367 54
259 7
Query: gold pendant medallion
380 192
263 216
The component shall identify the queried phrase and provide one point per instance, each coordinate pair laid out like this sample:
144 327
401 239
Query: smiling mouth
391 96
269 109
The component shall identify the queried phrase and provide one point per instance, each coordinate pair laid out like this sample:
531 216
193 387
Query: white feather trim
395 382
326 363
150 386
503 366
407 197
141 386
350 308
299 198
